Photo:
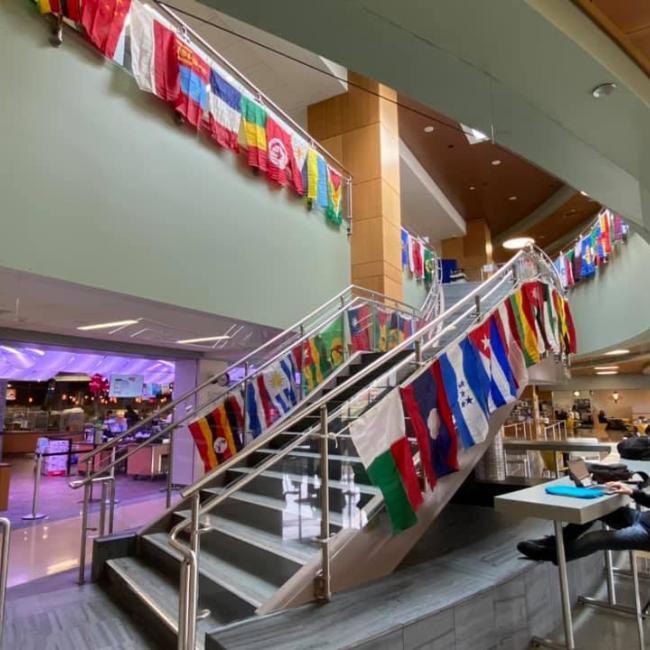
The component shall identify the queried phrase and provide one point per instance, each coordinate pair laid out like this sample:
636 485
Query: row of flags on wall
591 250
165 63
447 407
417 257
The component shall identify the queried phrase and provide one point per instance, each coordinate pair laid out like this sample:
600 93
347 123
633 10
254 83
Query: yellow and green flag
322 354
253 131
526 327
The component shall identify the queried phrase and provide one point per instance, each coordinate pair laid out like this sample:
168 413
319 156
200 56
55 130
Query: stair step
244 585
312 454
158 594
339 485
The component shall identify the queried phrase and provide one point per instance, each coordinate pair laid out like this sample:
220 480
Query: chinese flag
103 21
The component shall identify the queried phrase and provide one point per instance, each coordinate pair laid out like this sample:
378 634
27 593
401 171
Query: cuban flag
467 386
225 111
360 322
279 380
487 340
437 440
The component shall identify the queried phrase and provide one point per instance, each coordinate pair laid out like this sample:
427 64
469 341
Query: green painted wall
414 292
98 186
614 306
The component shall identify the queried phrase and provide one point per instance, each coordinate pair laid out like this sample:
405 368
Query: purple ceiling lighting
32 364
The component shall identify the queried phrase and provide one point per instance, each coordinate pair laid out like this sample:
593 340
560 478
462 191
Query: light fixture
615 396
617 353
474 136
584 193
512 198
607 372
603 90
102 326
605 367
471 188
40 353
496 162
576 393
516 243
204 339
429 128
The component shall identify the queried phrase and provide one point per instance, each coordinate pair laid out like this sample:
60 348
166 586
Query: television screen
126 386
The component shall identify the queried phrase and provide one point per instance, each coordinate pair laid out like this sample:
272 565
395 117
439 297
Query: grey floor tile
429 630
392 641
474 623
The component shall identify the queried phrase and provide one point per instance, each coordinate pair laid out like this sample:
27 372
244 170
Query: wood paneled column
362 131
471 251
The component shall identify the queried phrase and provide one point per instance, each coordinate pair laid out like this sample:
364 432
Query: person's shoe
547 542
535 551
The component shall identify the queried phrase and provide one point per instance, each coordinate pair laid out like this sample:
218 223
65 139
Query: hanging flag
468 386
382 329
436 443
142 45
404 237
300 150
577 261
380 439
281 162
322 354
234 406
258 406
587 266
312 175
571 330
526 328
605 232
404 326
618 228
225 112
449 463
280 383
103 22
418 261
533 303
194 74
204 441
224 440
321 185
428 265
334 212
568 265
551 325
253 124
411 253
360 321
312 374
560 267
505 322
166 73
487 342
67 8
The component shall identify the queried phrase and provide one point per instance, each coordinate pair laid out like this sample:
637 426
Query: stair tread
247 586
286 548
149 585
272 503
362 487
311 454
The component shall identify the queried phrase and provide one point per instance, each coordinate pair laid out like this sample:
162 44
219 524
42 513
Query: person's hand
619 488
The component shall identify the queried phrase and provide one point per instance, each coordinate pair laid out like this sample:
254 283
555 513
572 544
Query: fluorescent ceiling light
607 372
40 353
517 243
605 367
474 136
102 326
204 339
616 353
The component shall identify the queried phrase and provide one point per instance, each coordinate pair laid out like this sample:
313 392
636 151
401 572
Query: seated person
630 532
602 418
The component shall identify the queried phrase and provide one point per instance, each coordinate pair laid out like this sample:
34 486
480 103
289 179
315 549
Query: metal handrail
210 381
189 556
5 525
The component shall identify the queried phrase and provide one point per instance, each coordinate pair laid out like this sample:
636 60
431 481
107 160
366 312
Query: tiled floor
56 499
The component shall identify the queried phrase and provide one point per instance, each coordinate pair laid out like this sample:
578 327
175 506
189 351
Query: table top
535 502
555 445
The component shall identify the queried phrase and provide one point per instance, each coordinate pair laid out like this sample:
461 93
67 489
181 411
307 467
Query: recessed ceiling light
204 339
496 162
471 188
616 353
518 242
607 372
603 90
605 367
512 198
584 193
429 128
101 326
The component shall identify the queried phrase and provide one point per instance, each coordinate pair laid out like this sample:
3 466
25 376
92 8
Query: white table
535 502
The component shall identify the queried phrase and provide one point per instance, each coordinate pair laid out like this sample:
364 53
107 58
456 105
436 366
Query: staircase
253 525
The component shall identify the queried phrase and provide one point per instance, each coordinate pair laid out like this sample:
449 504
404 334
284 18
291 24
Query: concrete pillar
187 466
362 131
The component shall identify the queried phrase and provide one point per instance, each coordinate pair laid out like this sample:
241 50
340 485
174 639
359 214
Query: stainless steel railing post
102 510
189 595
5 524
170 464
245 415
323 586
38 468
84 533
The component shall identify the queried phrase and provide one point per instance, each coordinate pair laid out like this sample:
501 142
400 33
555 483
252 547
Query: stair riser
138 611
274 487
258 561
212 596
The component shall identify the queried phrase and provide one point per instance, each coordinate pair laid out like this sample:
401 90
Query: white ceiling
34 303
